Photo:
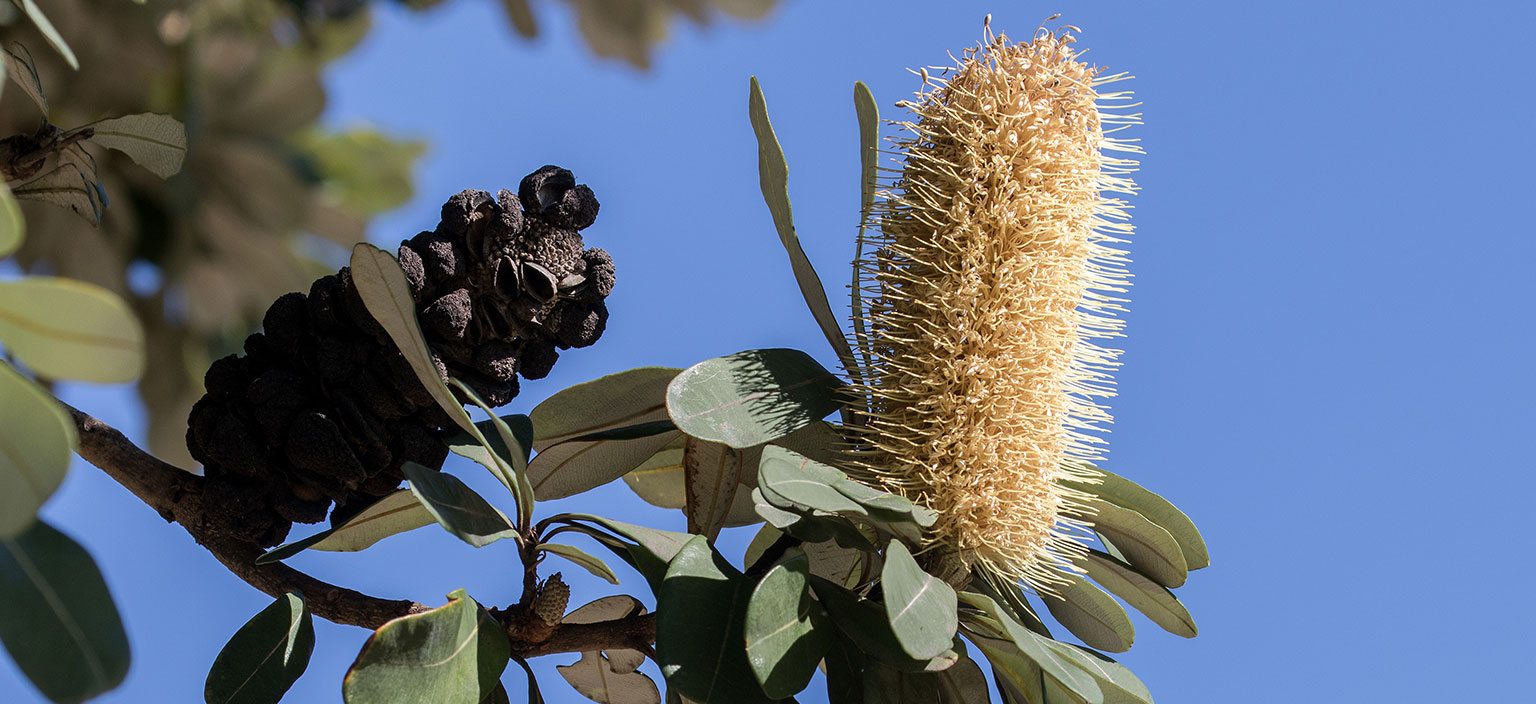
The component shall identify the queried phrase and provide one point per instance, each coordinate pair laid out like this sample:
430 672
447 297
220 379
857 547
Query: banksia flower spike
993 272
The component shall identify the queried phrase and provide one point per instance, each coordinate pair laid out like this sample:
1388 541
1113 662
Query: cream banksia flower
993 272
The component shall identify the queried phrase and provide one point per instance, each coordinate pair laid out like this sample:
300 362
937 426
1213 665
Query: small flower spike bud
323 408
553 597
994 272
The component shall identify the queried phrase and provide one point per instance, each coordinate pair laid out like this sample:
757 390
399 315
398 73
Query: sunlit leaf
659 479
1149 548
453 654
68 329
787 631
1140 591
921 607
751 397
773 175
382 286
265 657
36 439
580 557
59 622
458 508
156 142
1034 647
865 623
1092 615
596 679
701 613
1124 492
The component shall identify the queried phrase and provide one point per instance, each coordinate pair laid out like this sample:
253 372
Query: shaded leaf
68 329
1009 596
701 609
596 680
396 513
1019 679
265 657
59 623
1124 492
785 475
751 397
648 550
892 686
787 632
49 33
457 507
510 454
865 623
580 557
921 608
1116 681
572 467
773 176
766 536
20 68
67 187
453 654
1092 615
1141 592
963 683
382 286
13 227
869 138
534 695
1149 548
659 479
156 142
712 475
614 401
845 567
465 445
36 439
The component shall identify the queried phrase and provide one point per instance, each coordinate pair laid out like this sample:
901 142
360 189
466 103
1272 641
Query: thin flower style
994 270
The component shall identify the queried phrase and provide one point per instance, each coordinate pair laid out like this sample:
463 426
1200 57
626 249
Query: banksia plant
994 272
324 408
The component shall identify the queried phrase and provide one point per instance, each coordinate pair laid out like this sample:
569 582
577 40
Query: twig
178 497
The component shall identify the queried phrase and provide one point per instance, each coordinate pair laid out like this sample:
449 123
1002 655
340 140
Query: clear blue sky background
1331 338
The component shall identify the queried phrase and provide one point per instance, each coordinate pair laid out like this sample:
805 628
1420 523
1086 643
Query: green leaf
1140 591
534 695
1019 679
1116 681
397 513
751 397
1124 492
382 286
156 142
713 474
49 33
843 566
659 479
786 475
865 623
36 440
465 445
889 685
1034 647
766 536
595 679
773 174
23 72
631 432
648 550
921 608
13 228
869 142
59 622
511 455
1009 596
265 657
963 683
1092 615
67 329
615 401
1149 548
580 557
457 507
787 631
65 186
364 171
572 467
453 654
700 619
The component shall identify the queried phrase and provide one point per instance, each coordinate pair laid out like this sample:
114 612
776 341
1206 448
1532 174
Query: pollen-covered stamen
994 270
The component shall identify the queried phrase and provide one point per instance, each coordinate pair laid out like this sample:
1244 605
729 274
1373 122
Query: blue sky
1329 362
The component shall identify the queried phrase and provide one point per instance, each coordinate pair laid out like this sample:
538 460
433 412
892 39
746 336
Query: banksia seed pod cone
993 271
551 601
323 408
